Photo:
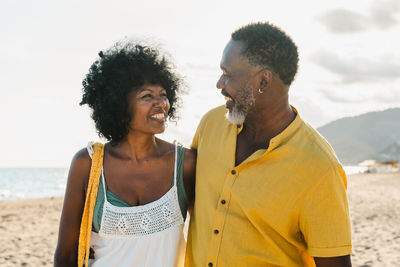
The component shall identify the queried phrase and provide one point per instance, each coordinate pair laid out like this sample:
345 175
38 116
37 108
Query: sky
349 62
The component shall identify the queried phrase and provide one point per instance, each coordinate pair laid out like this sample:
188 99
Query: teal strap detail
98 208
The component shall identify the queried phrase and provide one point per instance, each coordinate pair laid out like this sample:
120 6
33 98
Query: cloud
362 95
338 97
357 69
343 21
381 15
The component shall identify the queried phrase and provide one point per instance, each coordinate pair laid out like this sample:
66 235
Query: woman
146 183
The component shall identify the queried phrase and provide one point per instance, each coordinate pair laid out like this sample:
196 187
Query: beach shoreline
29 227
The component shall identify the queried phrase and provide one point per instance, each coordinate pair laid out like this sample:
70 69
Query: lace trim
158 216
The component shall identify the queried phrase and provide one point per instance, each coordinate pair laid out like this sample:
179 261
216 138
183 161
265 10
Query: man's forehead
232 57
232 51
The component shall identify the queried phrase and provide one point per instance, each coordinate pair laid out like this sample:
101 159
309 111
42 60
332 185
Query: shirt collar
285 134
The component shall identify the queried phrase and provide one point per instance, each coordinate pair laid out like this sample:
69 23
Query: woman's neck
137 147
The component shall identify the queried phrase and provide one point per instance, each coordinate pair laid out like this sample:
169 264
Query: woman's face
149 107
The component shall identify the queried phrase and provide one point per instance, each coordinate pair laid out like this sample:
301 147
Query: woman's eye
147 96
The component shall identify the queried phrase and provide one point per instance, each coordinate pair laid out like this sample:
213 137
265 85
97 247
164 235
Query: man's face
236 82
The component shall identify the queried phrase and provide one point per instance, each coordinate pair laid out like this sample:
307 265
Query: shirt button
216 231
223 201
233 172
210 264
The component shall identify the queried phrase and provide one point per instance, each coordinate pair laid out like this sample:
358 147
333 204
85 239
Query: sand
29 228
374 201
28 231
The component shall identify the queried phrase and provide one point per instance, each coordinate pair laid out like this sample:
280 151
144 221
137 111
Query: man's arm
343 261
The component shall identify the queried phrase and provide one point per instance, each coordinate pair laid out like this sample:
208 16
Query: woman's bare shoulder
80 166
82 158
165 146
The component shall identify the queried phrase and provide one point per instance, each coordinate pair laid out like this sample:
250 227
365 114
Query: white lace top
146 235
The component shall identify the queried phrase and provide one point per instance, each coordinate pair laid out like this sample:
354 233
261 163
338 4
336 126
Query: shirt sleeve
195 141
202 128
196 137
324 218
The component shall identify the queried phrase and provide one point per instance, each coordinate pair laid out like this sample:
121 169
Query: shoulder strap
175 165
90 201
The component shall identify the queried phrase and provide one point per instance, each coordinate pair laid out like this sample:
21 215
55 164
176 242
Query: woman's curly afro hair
120 70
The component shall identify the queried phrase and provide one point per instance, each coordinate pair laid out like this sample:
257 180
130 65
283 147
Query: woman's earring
260 90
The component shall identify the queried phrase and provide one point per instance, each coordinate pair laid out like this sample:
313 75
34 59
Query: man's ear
266 77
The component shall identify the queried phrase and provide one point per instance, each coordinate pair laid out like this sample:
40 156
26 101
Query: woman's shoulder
165 146
80 166
82 157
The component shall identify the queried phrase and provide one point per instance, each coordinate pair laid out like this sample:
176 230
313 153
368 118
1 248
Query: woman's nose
161 101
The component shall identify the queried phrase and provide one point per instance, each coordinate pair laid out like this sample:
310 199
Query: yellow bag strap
90 202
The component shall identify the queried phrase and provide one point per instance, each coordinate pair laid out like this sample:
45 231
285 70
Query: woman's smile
158 117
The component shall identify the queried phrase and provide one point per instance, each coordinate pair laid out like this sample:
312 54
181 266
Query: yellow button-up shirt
280 207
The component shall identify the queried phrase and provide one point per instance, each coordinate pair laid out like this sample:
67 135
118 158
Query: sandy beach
29 228
374 201
28 231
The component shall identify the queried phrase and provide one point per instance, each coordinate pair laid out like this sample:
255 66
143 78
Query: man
269 189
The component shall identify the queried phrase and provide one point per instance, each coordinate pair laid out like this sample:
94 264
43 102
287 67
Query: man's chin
235 117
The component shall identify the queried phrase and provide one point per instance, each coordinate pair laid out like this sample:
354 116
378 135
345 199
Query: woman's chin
159 130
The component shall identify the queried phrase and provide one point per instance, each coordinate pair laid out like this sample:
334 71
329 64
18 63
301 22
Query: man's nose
221 82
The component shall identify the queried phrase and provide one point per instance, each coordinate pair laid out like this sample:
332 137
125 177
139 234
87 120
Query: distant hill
391 152
373 135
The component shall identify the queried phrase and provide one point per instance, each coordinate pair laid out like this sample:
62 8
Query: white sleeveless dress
149 235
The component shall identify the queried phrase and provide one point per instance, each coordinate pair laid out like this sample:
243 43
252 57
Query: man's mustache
224 93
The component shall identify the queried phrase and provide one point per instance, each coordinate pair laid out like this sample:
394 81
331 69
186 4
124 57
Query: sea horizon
40 182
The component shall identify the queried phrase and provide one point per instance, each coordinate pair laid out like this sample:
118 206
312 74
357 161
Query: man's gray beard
237 115
239 111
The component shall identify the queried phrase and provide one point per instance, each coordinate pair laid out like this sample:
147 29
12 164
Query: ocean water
21 183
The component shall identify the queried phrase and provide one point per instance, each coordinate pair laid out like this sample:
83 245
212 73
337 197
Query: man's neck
263 124
259 128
